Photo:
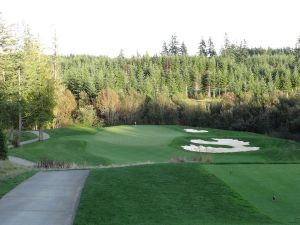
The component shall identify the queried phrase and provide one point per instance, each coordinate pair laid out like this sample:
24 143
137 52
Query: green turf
169 194
129 144
258 183
9 182
25 136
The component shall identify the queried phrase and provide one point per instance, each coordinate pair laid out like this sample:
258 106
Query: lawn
169 194
259 183
131 144
236 188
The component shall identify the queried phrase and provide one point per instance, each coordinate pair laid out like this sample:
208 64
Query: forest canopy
240 88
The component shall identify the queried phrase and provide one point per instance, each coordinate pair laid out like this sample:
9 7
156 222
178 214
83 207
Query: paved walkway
45 137
20 161
24 162
47 198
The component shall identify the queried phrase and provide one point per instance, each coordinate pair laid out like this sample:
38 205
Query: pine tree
211 48
226 41
287 84
121 54
165 50
297 49
7 40
174 48
244 50
226 49
202 48
183 49
295 78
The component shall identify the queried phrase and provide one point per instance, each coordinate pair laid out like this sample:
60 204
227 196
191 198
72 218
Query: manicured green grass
169 194
130 144
238 193
258 183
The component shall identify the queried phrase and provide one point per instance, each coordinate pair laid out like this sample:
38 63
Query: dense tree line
240 88
194 76
182 89
237 69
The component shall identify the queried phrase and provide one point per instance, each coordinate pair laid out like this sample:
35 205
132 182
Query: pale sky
101 27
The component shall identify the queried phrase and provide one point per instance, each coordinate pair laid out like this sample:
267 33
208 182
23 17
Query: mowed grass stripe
259 183
169 194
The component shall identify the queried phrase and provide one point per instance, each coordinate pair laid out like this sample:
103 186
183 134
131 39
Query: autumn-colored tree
228 100
130 107
108 104
83 99
160 110
66 105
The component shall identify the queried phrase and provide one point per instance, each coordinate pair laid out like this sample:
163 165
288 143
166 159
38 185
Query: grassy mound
170 194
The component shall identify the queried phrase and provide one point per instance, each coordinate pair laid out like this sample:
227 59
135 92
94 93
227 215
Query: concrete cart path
45 137
24 162
20 161
47 198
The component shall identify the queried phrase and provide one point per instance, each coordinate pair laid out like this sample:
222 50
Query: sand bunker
195 131
236 146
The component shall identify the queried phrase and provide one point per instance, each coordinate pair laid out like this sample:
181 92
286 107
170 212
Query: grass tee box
131 144
169 194
258 184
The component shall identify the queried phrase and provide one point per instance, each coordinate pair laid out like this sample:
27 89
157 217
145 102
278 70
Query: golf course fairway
176 187
150 143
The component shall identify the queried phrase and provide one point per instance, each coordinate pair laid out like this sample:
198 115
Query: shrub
3 146
87 116
51 164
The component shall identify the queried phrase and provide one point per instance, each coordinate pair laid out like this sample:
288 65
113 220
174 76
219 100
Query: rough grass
169 194
12 175
259 183
133 144
9 169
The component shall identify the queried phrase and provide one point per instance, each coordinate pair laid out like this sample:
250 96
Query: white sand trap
195 131
236 146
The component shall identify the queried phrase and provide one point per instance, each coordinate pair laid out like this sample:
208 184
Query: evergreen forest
237 88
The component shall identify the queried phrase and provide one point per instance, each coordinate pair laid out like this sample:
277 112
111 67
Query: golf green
134 144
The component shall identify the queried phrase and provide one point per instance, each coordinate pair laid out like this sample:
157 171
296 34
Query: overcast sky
101 27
